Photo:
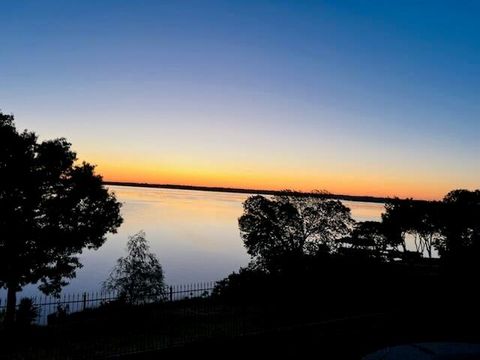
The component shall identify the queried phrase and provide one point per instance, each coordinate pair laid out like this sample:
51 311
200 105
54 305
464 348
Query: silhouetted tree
288 225
370 234
50 210
27 312
138 277
427 226
423 220
397 221
460 225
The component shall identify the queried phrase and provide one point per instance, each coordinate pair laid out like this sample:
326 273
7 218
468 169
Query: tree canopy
51 208
137 277
369 234
292 225
460 225
450 226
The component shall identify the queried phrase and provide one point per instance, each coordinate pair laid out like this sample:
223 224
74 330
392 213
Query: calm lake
194 233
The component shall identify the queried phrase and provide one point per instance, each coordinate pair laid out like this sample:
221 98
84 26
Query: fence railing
100 325
48 308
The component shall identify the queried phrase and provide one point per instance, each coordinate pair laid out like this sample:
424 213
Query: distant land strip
371 199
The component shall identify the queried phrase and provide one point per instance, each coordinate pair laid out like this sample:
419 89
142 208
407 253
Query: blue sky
371 97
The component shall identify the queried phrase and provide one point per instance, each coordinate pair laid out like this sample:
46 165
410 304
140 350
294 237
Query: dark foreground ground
342 339
349 338
342 316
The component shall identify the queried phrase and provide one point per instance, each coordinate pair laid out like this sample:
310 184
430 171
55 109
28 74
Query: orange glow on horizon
278 179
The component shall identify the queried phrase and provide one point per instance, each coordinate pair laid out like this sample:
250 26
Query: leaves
288 224
138 277
50 209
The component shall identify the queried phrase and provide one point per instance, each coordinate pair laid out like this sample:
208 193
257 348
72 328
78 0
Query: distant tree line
313 243
288 226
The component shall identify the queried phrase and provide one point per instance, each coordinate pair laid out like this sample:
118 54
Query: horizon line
326 194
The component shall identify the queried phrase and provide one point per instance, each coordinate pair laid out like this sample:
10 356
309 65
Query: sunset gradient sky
355 97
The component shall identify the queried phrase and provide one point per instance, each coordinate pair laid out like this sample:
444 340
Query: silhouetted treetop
51 208
460 224
369 234
451 226
137 277
291 225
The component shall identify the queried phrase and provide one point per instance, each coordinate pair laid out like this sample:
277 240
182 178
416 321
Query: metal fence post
84 301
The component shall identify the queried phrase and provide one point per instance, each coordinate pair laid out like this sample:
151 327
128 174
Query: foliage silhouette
459 244
138 277
51 208
294 240
426 226
451 226
367 237
289 225
397 221
27 312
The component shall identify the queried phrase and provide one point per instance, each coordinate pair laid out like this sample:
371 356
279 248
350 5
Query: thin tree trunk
403 244
429 247
11 305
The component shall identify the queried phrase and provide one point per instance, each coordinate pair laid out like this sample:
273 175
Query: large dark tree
51 208
420 219
427 226
460 226
289 225
398 220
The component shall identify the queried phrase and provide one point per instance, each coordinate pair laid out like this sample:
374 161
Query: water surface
194 234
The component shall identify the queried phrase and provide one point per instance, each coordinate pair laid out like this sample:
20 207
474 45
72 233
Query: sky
353 97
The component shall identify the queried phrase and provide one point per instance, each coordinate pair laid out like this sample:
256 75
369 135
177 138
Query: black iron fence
105 325
99 325
49 308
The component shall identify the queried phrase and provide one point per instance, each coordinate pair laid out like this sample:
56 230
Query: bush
27 312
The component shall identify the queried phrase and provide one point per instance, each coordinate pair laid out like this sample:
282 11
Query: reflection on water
194 234
364 211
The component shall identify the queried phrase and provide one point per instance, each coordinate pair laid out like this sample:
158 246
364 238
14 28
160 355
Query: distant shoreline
371 199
